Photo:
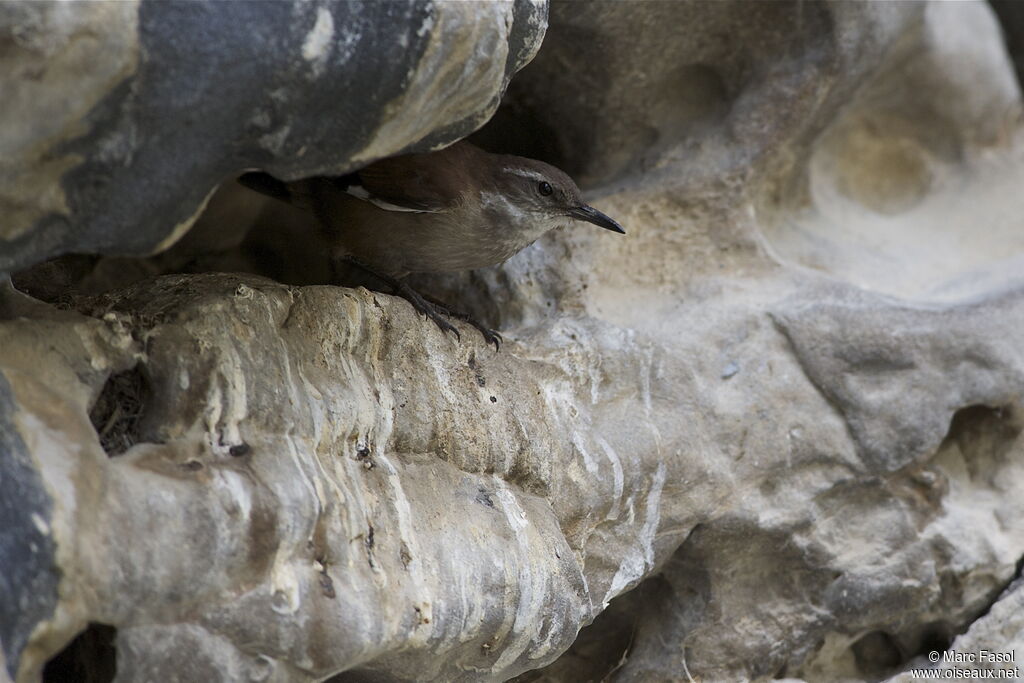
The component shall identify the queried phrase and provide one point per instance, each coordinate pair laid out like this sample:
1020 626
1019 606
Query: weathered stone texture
121 118
774 432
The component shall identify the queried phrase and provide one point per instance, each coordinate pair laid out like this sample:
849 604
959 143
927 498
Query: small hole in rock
118 409
983 433
937 637
51 281
876 654
90 658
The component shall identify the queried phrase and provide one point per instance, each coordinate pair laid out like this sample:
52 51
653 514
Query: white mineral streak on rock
52 451
274 141
317 46
286 592
529 586
847 496
406 531
87 50
617 477
466 65
635 565
179 230
40 524
227 404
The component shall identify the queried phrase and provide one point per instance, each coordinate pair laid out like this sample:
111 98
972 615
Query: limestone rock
700 90
121 119
772 433
992 646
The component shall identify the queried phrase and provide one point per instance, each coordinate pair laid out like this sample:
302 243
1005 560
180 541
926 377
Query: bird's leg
490 336
425 307
418 302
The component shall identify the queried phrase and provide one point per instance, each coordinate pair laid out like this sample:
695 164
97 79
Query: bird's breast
465 237
460 241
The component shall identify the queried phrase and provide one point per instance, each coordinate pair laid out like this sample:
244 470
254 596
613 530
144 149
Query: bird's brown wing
433 181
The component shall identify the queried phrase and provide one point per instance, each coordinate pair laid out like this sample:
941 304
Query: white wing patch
360 192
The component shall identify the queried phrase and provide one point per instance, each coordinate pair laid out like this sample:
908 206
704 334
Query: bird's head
538 193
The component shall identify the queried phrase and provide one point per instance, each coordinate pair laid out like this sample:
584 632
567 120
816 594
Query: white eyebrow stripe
524 173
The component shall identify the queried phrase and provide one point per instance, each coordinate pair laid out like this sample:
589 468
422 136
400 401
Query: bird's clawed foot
439 312
490 336
431 308
427 308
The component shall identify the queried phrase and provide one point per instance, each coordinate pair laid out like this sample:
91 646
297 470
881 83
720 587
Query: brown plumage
455 209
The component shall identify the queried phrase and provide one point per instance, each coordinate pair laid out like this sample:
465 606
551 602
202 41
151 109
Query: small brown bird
455 209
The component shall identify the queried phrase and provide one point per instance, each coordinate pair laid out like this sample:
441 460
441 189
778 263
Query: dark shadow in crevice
939 636
54 281
245 232
517 129
936 637
1010 585
119 409
984 434
607 644
90 658
877 655
1011 19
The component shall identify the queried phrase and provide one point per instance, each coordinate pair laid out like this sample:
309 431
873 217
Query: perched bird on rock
455 209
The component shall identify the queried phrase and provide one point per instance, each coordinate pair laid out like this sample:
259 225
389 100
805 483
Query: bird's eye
545 188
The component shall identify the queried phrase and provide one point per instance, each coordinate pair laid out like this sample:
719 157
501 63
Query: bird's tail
296 193
264 183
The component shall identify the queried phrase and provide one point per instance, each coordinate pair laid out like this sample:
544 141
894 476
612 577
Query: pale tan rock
748 441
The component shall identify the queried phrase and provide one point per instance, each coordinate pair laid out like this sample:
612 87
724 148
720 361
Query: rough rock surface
121 118
775 432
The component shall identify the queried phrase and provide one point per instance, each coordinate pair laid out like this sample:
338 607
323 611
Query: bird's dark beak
592 215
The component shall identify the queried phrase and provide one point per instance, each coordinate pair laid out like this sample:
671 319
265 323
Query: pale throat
524 224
